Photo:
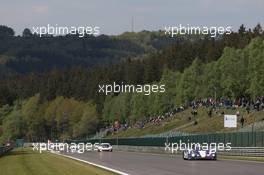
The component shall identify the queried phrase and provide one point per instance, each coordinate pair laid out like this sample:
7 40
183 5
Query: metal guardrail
237 139
244 151
236 151
5 149
242 143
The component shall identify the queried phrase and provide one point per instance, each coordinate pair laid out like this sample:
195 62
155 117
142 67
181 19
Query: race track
154 164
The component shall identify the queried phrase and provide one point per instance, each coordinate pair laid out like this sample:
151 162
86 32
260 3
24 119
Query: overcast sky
115 16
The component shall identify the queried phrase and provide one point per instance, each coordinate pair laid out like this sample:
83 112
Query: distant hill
31 53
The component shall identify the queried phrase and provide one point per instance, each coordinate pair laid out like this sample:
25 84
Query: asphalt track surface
155 164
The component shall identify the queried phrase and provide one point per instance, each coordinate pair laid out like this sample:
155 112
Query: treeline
30 53
81 82
179 56
61 118
238 73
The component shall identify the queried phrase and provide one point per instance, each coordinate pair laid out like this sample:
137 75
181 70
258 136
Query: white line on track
94 164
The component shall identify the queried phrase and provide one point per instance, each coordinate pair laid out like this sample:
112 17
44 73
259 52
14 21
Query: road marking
94 164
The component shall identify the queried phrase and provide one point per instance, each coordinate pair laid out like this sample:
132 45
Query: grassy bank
181 122
25 162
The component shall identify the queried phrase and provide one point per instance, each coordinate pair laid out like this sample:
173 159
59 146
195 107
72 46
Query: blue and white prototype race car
199 154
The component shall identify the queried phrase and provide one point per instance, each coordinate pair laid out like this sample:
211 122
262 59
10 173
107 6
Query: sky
115 16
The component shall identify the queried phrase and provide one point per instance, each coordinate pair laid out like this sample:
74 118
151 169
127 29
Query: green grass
179 120
28 162
216 123
181 123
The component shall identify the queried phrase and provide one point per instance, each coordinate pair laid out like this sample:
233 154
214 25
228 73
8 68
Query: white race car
198 153
105 147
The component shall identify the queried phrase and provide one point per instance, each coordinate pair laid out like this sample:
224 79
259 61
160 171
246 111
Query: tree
191 81
6 32
233 67
257 30
13 127
27 33
242 30
87 124
255 52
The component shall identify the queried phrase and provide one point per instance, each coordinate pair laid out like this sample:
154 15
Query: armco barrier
235 151
244 151
237 139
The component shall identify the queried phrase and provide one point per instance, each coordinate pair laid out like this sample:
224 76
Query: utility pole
132 24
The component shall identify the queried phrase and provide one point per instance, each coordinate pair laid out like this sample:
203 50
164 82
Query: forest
49 85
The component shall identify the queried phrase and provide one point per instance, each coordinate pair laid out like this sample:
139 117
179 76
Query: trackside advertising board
230 121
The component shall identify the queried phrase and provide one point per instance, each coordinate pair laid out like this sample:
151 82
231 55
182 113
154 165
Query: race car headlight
193 154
